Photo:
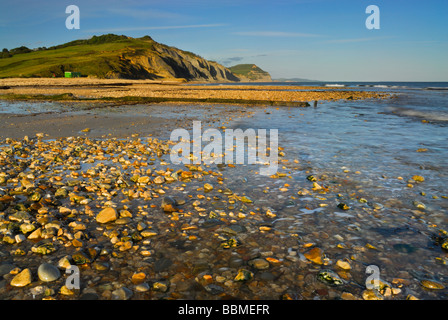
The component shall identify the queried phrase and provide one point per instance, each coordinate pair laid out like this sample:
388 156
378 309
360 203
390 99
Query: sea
382 136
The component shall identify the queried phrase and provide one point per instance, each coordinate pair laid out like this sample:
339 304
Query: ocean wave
335 85
420 114
383 86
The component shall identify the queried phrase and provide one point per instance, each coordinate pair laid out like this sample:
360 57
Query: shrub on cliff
5 54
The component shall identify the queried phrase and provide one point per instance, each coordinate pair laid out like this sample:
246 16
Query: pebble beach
90 184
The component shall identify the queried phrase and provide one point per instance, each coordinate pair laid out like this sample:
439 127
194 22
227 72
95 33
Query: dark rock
80 257
169 204
211 223
330 278
162 264
122 294
89 296
214 289
6 268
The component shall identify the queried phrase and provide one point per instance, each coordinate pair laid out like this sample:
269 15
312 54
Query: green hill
113 56
250 72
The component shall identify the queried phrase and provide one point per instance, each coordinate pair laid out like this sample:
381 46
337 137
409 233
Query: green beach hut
69 74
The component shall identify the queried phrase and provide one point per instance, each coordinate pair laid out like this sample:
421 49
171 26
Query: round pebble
431 284
48 272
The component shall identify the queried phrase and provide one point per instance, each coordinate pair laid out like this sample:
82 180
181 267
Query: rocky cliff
164 62
250 73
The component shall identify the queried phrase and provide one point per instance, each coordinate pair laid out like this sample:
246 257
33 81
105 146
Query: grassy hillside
244 69
89 59
250 72
106 56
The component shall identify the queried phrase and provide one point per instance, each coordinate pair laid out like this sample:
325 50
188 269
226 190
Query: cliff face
163 62
171 62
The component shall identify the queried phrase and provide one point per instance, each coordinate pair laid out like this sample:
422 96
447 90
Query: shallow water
367 136
368 149
22 108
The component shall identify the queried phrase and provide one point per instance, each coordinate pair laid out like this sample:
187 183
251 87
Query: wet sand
102 120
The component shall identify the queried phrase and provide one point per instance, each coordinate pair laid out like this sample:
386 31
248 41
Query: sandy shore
85 88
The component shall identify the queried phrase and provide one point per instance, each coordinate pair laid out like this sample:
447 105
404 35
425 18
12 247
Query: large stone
143 287
417 178
125 220
35 235
48 272
43 249
64 262
161 286
259 264
148 233
19 238
138 278
80 257
159 180
433 285
122 294
101 265
20 216
61 193
169 204
244 275
9 238
22 279
107 215
445 244
370 294
315 255
419 204
144 180
27 228
27 183
208 187
329 277
344 265
66 291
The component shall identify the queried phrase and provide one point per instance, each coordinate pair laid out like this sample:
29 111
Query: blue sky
314 39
